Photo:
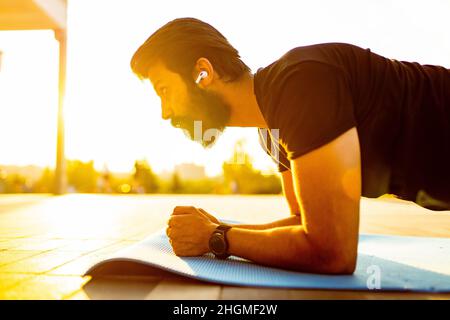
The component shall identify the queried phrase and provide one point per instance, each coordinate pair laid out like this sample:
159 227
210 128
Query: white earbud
201 75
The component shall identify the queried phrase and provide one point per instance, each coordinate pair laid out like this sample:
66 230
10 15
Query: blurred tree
175 183
241 177
2 181
44 184
145 181
15 183
82 176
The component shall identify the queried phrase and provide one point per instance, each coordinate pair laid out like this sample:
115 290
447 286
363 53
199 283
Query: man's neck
245 111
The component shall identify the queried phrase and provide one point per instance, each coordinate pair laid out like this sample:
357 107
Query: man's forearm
290 221
283 247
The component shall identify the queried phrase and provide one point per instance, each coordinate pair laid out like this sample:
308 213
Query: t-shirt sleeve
271 145
314 107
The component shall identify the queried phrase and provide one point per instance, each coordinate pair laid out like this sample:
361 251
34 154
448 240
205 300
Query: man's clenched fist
189 230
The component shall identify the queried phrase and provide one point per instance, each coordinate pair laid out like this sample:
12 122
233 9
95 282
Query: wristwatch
218 243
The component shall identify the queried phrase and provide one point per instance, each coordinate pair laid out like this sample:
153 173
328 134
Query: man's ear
203 64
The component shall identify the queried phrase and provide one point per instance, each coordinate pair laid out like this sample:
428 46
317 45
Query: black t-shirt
401 110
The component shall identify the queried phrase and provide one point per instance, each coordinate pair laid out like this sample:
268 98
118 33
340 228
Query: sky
113 118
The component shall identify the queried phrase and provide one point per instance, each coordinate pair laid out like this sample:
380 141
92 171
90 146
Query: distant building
104 181
190 171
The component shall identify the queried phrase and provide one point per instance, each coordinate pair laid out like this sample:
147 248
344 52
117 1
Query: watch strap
222 229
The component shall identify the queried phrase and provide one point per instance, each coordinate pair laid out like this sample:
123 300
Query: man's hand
210 216
189 230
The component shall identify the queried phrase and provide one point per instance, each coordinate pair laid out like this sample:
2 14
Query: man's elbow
336 260
342 262
327 255
326 265
340 265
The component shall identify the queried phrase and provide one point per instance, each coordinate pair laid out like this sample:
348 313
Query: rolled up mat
390 263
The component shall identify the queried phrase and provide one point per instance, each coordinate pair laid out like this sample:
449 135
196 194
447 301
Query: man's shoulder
309 57
320 52
330 54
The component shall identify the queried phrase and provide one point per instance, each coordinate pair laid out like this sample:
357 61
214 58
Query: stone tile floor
48 242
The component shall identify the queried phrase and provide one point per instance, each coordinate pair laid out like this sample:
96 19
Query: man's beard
209 114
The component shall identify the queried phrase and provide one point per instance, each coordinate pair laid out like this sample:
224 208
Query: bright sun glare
114 119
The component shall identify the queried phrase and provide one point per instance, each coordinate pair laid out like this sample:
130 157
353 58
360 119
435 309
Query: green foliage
81 176
241 177
45 182
145 181
15 183
175 184
244 179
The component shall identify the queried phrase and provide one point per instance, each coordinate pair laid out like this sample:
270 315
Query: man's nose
166 112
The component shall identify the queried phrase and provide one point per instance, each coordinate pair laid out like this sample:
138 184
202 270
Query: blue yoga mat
390 263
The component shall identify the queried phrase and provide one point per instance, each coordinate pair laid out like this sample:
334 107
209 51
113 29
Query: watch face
217 244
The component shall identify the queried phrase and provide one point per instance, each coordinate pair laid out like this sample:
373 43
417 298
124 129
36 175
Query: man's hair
181 42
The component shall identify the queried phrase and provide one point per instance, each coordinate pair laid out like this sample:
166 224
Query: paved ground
47 242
